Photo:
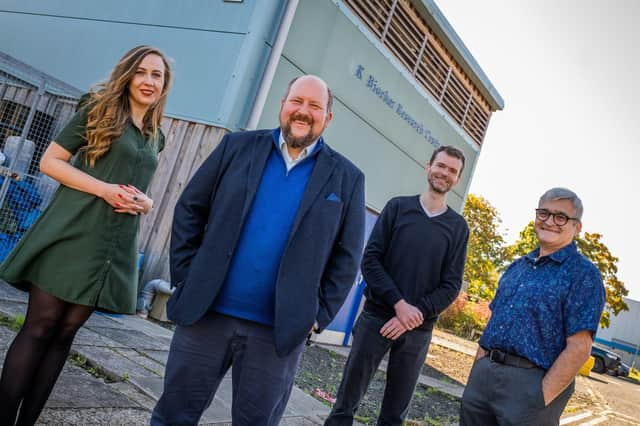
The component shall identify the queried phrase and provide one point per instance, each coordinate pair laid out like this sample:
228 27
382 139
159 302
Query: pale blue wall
219 48
325 40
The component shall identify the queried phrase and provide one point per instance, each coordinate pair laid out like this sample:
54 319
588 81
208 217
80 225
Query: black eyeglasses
559 219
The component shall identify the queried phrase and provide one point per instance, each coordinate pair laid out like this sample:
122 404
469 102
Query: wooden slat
431 64
188 144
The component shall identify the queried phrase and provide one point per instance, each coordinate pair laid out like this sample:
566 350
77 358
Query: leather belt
501 357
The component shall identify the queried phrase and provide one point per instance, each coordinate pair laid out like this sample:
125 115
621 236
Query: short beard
436 189
294 142
298 142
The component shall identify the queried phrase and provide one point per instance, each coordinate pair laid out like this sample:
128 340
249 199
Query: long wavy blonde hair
109 108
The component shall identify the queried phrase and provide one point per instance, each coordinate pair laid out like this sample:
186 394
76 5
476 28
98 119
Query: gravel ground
322 369
452 366
95 416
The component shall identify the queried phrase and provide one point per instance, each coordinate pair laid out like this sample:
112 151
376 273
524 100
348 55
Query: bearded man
266 241
413 266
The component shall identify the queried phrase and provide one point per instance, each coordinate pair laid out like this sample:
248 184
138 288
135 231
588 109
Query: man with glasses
545 313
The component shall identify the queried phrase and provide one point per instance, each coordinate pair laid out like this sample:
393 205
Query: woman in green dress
80 255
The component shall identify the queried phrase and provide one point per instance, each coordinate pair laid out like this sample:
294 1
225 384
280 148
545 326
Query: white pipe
272 64
148 293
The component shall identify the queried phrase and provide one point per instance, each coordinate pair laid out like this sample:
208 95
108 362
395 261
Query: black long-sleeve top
414 257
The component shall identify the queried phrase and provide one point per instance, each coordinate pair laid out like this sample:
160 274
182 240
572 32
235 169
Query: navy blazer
322 256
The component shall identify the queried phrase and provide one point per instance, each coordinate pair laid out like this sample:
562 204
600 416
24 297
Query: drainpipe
272 64
146 296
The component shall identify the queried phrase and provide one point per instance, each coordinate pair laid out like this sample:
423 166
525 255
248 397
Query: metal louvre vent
399 26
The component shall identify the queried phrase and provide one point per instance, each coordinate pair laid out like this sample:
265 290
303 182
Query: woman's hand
115 195
134 201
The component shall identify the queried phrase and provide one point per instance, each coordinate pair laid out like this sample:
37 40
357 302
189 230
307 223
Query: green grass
361 419
14 324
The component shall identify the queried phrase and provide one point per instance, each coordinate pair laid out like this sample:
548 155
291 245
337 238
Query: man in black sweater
413 268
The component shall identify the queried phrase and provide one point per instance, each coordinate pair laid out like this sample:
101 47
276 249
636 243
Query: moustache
301 117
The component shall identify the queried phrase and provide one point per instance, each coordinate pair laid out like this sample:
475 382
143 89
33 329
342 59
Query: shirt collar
557 256
312 149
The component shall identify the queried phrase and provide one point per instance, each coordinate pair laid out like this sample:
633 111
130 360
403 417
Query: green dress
79 249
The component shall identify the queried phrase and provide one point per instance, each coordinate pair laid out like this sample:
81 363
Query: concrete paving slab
12 309
6 337
87 337
160 356
134 322
218 411
113 363
134 339
85 391
71 369
8 292
133 393
98 319
301 404
454 346
142 360
150 386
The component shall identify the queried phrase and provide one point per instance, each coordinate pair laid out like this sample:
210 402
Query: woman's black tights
36 356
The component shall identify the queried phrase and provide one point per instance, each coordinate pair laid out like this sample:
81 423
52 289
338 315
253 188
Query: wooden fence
187 145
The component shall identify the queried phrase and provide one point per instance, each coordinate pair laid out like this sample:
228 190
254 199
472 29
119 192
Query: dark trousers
406 357
498 394
201 354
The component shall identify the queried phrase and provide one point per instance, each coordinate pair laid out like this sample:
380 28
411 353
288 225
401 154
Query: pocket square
333 197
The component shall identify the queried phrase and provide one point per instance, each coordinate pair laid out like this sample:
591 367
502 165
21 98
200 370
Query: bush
465 318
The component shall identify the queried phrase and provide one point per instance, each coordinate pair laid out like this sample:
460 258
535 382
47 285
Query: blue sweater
249 288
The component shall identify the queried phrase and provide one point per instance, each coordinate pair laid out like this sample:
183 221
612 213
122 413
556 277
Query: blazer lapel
325 164
261 150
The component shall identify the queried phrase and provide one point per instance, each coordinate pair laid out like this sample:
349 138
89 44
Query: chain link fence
33 108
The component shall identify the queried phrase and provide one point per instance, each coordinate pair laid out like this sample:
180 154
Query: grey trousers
498 394
200 356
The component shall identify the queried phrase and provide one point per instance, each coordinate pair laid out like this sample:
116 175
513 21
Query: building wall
623 334
219 48
382 121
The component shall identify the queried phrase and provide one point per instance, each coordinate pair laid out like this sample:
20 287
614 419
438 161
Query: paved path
132 352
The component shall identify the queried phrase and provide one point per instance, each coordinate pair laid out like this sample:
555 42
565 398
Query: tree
591 246
485 250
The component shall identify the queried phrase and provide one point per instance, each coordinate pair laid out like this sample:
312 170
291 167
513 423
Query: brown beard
435 188
298 142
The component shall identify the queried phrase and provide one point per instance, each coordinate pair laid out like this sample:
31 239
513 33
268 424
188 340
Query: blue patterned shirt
539 303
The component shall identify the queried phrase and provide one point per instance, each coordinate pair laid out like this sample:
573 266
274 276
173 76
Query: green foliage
464 317
591 246
527 241
485 252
